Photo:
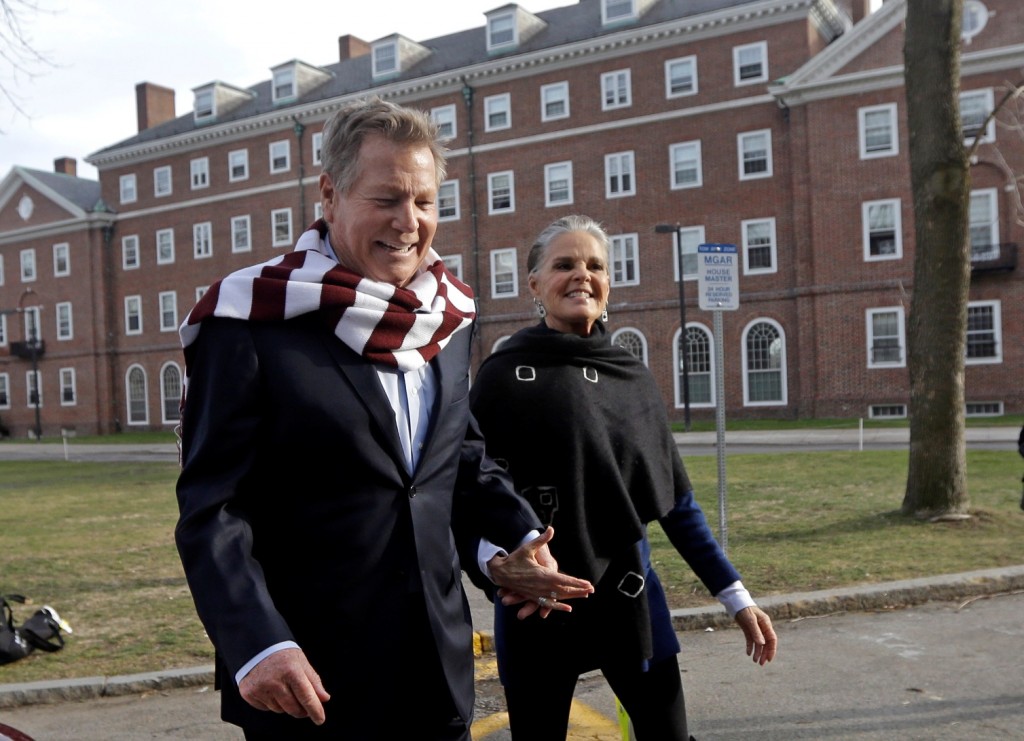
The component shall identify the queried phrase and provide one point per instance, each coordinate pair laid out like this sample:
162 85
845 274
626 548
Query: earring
541 311
604 315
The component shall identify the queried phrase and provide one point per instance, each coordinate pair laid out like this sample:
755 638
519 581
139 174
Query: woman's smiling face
572 282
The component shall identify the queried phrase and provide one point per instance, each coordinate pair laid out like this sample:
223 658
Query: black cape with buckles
581 427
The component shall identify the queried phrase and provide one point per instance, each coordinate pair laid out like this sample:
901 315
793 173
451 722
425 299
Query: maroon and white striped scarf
400 327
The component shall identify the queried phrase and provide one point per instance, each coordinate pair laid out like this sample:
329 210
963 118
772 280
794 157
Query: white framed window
3 330
764 364
68 390
168 301
613 11
446 119
558 184
754 152
170 393
633 341
882 229
887 411
32 326
283 84
1 270
241 234
199 172
33 388
133 315
504 275
164 246
616 90
28 265
162 183
281 227
878 131
5 391
448 201
317 142
202 240
619 175
975 106
886 337
203 105
498 112
65 324
983 224
554 101
983 409
750 63
200 292
681 77
61 259
501 30
130 252
318 210
691 237
280 156
384 55
759 250
129 189
136 394
454 264
625 258
684 163
238 165
984 332
699 367
501 192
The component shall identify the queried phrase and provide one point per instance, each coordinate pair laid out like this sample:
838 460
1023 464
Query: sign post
718 286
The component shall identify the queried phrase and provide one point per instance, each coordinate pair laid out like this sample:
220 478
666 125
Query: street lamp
684 360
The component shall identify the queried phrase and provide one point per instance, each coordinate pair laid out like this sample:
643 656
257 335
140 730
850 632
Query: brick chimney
350 47
154 105
66 166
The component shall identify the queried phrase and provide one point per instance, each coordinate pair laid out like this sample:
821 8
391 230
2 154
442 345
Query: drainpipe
467 96
299 129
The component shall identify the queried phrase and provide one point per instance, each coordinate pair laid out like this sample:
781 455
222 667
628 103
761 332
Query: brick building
778 126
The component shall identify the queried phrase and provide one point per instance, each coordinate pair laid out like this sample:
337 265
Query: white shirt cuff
262 655
735 597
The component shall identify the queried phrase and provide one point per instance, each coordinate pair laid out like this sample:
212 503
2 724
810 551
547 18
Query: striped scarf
400 327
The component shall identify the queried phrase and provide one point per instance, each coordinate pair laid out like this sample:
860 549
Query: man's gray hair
345 131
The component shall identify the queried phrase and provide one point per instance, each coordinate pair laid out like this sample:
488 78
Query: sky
99 50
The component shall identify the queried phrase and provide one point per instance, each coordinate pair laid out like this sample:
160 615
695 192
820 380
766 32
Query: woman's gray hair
564 225
345 131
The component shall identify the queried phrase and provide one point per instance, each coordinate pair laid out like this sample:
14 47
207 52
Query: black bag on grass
41 631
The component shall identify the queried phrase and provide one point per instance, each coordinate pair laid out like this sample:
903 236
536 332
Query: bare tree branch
20 58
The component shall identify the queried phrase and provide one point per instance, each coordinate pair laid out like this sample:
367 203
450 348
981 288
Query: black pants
538 710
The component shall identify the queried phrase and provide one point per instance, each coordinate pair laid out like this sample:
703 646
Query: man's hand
757 628
284 682
530 575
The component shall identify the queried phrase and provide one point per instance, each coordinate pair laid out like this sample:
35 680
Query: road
939 670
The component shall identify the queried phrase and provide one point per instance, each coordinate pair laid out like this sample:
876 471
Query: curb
864 598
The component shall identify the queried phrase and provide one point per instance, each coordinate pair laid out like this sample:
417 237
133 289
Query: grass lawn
95 540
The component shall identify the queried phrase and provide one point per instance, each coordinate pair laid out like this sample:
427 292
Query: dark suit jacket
298 520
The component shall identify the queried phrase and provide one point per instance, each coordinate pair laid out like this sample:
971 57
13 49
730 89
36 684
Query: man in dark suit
331 470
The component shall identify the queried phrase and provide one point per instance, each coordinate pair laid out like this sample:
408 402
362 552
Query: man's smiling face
382 227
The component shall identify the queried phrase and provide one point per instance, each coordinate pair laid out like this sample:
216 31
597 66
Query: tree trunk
936 479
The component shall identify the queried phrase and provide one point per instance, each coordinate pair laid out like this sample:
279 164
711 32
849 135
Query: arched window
632 340
764 364
170 392
699 369
135 383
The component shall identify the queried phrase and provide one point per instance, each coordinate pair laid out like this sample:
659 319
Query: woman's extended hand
762 642
530 575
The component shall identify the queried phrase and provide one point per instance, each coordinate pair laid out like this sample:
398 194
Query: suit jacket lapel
362 375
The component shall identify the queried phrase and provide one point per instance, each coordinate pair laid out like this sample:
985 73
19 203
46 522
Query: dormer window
613 11
284 83
385 58
204 105
501 30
